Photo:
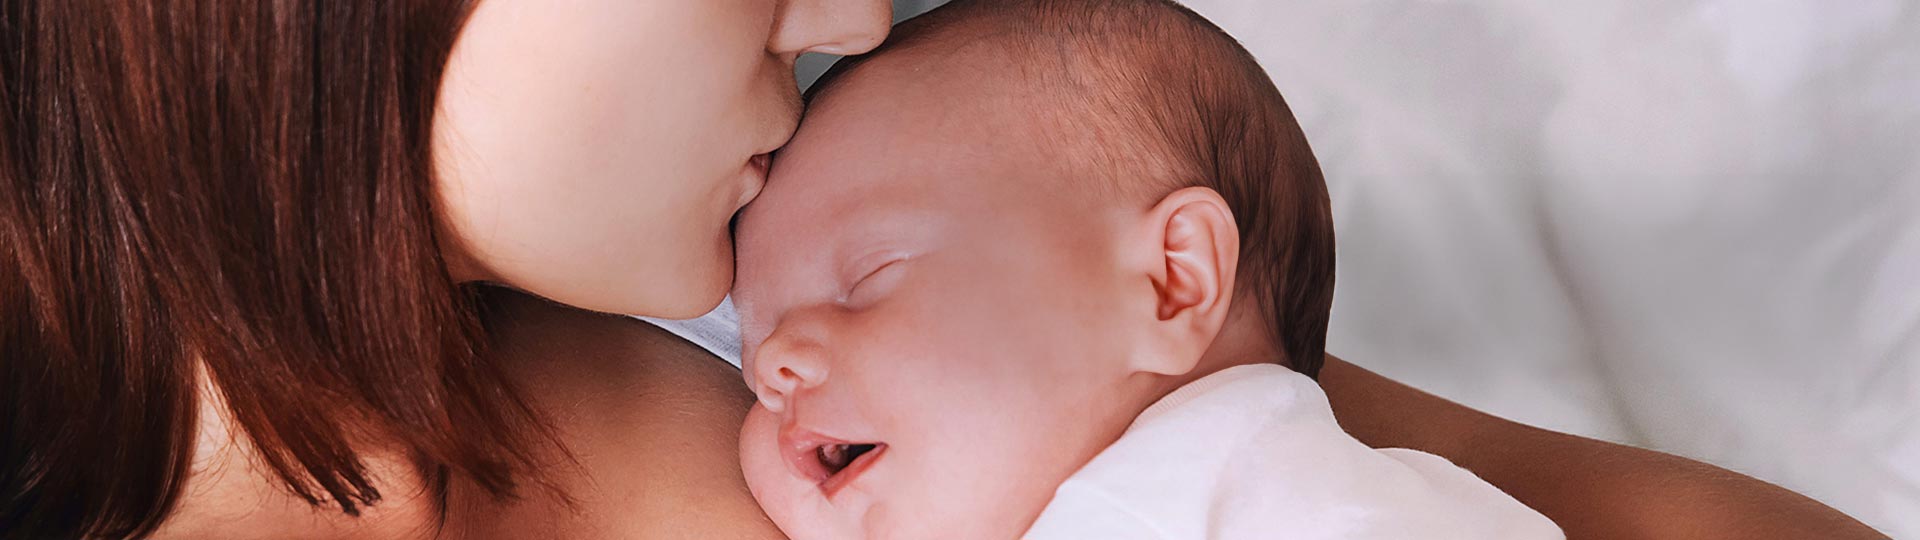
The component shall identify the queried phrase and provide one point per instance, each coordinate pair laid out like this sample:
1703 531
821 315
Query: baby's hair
1148 97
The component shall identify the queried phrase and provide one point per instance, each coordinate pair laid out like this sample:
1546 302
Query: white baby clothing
1253 452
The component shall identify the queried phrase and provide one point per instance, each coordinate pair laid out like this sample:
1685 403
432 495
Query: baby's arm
1592 489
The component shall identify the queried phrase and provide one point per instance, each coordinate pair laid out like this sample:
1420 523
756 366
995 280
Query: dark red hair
240 191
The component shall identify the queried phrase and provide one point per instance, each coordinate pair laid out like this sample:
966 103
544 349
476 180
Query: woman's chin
687 293
694 290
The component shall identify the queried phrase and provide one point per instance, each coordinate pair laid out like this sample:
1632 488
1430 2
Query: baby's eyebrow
890 226
884 230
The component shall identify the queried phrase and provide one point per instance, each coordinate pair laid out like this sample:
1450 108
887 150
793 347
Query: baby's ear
1198 250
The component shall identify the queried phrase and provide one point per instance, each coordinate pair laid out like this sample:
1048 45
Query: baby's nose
784 366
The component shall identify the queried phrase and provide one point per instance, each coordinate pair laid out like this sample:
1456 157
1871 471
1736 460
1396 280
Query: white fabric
1692 225
718 331
1254 452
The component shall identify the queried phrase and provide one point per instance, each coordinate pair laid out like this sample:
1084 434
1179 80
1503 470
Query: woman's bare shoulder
650 421
231 493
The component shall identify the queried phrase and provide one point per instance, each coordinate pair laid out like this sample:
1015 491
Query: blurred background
1687 225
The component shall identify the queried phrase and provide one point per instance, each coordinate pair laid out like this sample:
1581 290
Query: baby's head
995 241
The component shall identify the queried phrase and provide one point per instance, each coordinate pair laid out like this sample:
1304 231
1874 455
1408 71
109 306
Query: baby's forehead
886 141
893 122
890 144
1095 113
943 91
957 120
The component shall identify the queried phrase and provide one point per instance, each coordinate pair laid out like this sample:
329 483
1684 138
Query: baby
1061 269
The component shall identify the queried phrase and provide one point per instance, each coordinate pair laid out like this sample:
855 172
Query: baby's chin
803 512
794 504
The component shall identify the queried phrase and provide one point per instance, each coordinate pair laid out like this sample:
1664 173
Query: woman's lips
753 179
759 162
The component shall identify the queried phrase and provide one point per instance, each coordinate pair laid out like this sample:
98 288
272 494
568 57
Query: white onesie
1253 452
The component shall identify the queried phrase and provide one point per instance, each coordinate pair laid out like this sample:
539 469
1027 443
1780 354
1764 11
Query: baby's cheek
794 504
760 461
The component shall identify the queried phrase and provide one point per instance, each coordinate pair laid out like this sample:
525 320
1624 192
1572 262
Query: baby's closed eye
874 283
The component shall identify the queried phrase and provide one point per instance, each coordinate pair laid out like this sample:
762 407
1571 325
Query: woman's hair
237 196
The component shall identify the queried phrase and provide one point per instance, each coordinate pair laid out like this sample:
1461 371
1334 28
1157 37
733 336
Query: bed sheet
1687 225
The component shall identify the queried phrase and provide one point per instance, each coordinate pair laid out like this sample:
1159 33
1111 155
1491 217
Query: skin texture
648 423
232 495
592 152
924 272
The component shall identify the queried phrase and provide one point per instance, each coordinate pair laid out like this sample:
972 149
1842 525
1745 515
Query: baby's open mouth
829 462
836 457
843 463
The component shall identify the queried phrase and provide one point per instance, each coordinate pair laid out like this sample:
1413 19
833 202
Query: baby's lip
797 447
853 470
800 448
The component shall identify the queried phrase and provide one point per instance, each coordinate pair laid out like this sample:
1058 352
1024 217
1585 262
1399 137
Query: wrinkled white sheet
1689 225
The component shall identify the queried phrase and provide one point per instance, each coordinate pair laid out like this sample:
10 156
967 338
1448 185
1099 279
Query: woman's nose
842 27
785 365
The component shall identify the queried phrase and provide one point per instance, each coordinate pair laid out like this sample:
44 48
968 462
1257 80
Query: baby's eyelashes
875 284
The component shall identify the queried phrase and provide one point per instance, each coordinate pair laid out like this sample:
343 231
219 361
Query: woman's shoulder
650 423
231 493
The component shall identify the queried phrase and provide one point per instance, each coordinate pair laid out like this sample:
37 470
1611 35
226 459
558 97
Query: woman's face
594 151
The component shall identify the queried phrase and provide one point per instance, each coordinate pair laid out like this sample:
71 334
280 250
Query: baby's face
932 324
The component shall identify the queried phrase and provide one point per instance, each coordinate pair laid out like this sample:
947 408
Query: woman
241 242
269 210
